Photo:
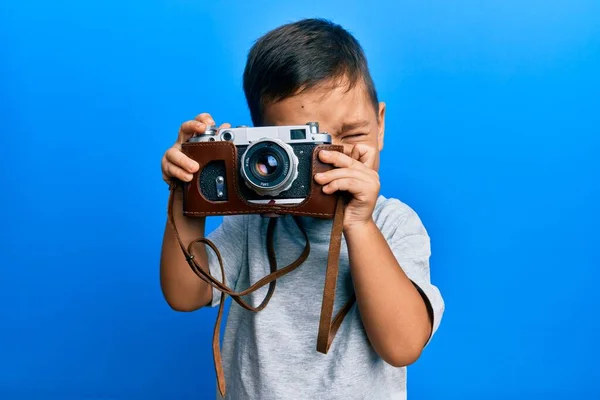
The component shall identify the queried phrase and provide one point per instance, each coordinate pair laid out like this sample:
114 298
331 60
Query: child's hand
354 174
175 164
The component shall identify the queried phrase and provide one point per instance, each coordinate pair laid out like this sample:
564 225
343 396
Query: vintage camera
252 169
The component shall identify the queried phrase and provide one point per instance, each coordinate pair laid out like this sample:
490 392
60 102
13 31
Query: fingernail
326 152
211 122
318 175
189 177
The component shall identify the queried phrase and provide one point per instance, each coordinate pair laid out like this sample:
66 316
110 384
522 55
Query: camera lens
269 166
266 165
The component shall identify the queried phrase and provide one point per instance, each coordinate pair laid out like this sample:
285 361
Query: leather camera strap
327 328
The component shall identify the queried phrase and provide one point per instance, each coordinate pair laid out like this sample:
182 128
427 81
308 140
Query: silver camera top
243 135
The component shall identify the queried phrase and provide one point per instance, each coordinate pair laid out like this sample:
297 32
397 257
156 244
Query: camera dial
208 135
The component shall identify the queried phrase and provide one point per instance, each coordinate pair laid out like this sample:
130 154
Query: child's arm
395 315
182 289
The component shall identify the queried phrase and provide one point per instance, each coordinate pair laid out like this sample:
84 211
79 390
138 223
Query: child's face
348 116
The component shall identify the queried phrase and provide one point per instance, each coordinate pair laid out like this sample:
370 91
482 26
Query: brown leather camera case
316 205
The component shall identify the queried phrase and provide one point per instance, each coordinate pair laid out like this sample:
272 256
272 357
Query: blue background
492 136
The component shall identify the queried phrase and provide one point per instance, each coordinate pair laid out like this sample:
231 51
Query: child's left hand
356 175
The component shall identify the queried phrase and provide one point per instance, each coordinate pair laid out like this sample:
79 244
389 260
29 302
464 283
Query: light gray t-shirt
272 354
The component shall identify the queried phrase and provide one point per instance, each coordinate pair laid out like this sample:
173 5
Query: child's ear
381 125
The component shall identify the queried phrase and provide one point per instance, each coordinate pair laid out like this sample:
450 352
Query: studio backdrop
492 136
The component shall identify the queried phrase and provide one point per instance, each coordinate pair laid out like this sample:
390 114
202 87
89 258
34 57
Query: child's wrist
359 226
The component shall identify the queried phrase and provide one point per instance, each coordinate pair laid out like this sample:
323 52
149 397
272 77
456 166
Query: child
313 70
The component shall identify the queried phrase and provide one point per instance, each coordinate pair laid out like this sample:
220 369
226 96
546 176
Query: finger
189 129
324 178
363 153
180 160
350 185
225 126
172 171
205 118
337 159
348 149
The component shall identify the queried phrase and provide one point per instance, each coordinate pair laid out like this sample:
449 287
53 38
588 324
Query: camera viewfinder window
298 134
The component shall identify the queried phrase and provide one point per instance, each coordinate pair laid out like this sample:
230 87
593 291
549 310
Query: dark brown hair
299 56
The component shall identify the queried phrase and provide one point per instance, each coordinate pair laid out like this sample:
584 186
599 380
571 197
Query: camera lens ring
284 164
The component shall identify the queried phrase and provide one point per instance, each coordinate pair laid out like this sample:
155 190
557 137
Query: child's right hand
175 164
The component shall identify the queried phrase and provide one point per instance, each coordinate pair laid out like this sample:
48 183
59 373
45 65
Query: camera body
265 170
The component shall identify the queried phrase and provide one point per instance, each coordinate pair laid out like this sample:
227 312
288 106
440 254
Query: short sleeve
410 243
230 239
